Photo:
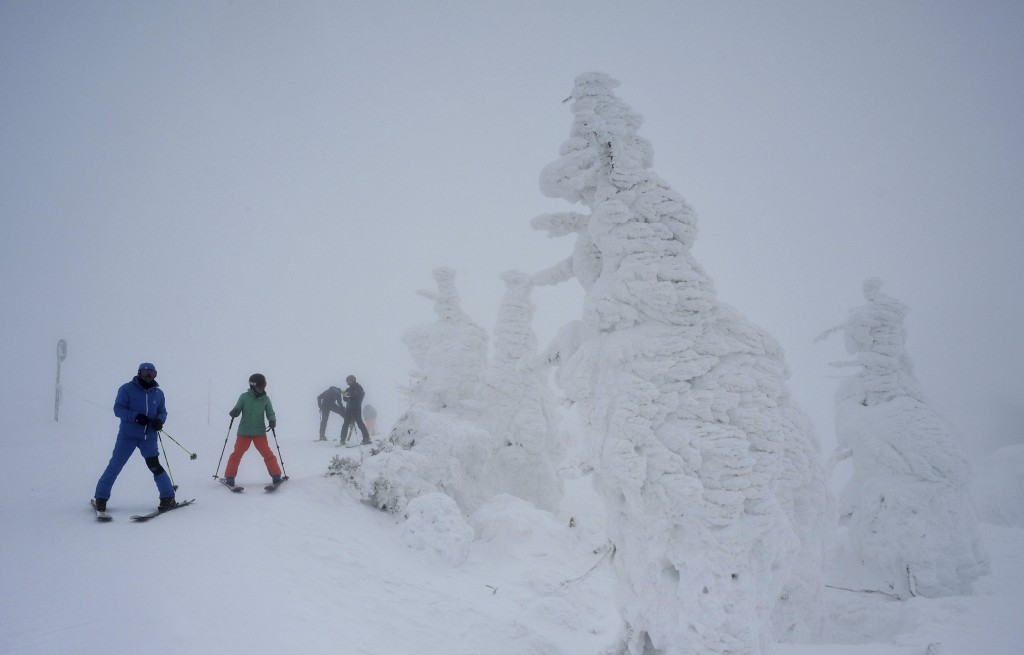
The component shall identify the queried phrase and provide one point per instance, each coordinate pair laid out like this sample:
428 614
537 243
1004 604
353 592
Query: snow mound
435 524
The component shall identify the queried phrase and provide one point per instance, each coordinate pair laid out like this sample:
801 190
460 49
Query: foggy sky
230 187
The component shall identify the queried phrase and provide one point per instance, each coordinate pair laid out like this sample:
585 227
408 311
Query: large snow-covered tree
711 478
906 506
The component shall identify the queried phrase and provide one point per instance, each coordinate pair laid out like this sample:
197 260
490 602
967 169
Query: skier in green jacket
253 406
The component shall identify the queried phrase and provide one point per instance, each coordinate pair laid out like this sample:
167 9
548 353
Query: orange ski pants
241 445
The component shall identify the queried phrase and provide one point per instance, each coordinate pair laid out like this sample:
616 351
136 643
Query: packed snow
310 569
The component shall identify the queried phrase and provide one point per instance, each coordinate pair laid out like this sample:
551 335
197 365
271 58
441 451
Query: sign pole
62 352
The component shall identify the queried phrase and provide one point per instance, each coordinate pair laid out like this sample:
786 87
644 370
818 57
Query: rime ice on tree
907 506
515 403
711 478
451 353
436 446
473 428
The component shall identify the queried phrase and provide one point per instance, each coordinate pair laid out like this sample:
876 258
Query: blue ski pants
123 449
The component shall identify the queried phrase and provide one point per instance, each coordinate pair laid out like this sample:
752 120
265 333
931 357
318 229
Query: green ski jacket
253 409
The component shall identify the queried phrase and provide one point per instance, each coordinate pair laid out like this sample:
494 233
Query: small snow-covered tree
473 429
515 404
907 506
450 354
436 445
711 479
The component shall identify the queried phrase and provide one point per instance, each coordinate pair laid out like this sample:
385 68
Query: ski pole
191 455
284 473
167 461
223 448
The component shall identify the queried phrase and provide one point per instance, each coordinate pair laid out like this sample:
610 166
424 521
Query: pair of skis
105 517
235 488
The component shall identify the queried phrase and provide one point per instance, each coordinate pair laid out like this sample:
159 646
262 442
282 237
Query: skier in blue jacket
140 406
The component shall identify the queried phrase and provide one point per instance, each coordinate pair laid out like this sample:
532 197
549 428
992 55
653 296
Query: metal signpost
62 352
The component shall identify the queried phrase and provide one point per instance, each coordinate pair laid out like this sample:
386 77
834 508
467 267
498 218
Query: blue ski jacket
132 399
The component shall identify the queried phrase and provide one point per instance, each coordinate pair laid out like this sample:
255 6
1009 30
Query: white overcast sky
224 187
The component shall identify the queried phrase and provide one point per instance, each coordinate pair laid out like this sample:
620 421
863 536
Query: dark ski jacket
133 398
354 394
330 399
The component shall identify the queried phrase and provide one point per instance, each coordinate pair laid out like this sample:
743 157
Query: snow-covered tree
710 476
473 429
436 445
515 404
450 354
907 506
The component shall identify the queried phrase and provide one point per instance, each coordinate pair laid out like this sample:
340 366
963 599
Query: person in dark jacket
354 395
329 401
141 408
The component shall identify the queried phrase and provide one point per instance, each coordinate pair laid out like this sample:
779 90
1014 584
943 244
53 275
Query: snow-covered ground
310 570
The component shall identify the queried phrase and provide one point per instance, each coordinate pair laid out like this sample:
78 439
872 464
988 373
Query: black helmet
351 379
257 379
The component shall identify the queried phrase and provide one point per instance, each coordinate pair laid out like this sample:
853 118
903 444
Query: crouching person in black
329 401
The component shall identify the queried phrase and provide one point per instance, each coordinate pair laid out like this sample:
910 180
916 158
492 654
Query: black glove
142 419
156 424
